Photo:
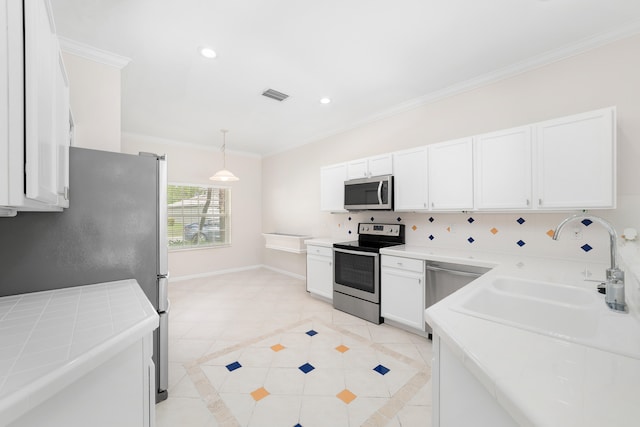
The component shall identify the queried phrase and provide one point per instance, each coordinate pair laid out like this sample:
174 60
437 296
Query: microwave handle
380 192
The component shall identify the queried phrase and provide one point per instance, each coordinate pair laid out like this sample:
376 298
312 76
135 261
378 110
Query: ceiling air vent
274 94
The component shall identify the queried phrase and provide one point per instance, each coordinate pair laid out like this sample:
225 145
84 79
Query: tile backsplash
527 233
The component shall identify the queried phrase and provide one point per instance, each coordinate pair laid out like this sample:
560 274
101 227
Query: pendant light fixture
224 174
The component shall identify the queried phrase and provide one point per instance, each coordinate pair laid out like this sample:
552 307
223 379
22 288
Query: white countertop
539 380
50 339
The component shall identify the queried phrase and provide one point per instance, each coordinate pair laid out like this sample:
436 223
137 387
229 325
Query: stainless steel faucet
614 296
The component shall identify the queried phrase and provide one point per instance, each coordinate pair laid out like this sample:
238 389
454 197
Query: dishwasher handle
455 272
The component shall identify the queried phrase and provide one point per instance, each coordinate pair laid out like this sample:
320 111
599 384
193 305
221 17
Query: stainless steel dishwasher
443 279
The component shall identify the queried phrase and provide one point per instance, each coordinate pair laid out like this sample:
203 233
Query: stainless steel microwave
369 193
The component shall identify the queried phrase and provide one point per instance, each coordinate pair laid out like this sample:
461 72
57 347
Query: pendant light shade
224 175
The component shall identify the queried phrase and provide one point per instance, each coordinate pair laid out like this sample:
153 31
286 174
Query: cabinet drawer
319 250
408 264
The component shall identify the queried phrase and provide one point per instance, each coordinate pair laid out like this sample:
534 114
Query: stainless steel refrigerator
115 228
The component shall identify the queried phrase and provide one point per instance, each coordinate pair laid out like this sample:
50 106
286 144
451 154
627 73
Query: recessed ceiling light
207 52
325 100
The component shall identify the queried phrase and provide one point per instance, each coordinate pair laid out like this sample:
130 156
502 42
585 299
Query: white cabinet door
576 161
62 130
503 169
4 103
450 174
410 180
402 293
320 271
381 165
332 187
41 58
358 169
371 166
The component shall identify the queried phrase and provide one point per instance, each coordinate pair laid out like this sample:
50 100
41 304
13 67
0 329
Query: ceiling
371 57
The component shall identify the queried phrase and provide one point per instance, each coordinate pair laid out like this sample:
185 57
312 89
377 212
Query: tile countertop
539 380
52 338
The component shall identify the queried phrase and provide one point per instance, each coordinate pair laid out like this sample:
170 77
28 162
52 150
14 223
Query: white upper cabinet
576 161
503 169
450 174
37 116
410 180
332 180
371 166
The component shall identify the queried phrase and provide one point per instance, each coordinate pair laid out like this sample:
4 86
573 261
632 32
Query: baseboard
235 270
285 272
214 273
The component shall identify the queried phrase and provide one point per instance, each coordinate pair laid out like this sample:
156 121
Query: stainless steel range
356 271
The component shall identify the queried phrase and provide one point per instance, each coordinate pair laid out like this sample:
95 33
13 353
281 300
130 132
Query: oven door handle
345 251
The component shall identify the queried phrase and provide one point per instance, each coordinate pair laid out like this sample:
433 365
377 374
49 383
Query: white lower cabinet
402 291
320 271
118 392
459 399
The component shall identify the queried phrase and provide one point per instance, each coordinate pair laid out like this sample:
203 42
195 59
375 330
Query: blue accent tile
297 425
399 219
349 218
470 240
306 368
431 237
520 243
349 231
586 247
520 221
382 370
311 332
233 366
372 219
587 222
431 219
470 220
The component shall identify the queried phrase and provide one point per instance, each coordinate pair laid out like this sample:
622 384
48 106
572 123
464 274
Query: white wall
599 78
190 164
95 102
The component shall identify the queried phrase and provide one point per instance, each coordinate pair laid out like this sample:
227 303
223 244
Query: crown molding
93 53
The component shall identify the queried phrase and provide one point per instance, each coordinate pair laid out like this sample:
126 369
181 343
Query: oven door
356 273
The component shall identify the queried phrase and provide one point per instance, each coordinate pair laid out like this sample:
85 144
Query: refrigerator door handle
163 344
163 293
163 239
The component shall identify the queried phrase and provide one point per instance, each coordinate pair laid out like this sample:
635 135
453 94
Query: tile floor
252 348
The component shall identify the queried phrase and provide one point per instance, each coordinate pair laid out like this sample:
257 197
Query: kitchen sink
552 309
569 313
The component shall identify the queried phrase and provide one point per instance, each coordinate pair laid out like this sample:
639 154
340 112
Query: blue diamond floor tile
311 333
306 368
381 369
520 243
586 247
470 240
233 366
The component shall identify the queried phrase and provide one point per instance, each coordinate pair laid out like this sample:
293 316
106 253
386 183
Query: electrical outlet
576 233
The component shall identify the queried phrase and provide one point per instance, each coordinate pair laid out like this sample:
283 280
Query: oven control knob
365 228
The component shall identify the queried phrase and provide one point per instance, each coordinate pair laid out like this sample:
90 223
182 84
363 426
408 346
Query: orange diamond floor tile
259 394
346 396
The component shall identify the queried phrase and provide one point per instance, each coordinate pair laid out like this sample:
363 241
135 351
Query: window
198 216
